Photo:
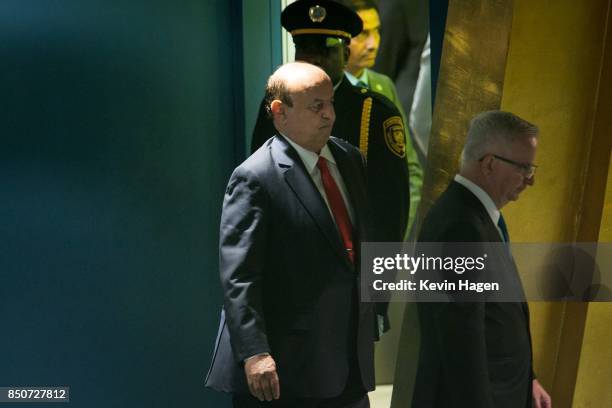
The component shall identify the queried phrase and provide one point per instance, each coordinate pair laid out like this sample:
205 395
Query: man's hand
262 378
541 399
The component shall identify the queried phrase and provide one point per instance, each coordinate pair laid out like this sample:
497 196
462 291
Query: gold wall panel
594 379
594 382
552 79
470 81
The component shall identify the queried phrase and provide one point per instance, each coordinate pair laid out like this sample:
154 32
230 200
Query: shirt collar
355 80
482 195
310 158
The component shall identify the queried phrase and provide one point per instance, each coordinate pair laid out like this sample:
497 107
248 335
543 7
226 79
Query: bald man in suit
293 331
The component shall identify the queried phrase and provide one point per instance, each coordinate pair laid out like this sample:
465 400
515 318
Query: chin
323 140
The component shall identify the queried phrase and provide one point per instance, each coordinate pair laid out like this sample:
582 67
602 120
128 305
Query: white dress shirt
484 198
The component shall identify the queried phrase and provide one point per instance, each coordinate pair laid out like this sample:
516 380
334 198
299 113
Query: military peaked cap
321 17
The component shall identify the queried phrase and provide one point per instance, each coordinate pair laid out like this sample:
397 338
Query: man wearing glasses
477 354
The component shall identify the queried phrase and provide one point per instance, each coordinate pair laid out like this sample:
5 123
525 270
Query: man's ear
277 108
486 164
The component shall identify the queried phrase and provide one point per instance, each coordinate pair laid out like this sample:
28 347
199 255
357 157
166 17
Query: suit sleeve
263 130
242 243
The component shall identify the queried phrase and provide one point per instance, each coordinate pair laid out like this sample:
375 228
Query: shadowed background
121 122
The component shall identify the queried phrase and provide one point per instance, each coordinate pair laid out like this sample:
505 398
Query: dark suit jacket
473 354
289 287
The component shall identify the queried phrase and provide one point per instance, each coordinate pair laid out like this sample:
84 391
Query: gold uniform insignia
317 14
395 136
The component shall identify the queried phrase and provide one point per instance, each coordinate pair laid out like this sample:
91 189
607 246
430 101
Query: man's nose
328 112
530 180
371 42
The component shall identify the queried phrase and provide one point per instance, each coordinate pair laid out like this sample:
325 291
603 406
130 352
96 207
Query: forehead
523 149
370 18
526 142
316 90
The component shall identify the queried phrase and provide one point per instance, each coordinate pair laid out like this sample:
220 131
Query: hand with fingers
541 399
262 378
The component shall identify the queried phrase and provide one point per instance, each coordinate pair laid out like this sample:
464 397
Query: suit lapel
306 192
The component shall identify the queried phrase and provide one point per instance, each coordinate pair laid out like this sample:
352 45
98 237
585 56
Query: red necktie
338 207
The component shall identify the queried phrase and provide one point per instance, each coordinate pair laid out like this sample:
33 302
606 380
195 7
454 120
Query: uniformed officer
321 31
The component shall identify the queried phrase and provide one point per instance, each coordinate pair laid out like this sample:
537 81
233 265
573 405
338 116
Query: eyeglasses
527 169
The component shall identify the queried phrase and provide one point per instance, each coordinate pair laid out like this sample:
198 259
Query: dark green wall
262 54
121 122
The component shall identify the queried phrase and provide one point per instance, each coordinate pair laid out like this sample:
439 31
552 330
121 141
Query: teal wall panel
262 54
120 126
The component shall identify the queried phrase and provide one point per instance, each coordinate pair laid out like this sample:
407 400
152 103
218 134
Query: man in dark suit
477 354
293 331
322 31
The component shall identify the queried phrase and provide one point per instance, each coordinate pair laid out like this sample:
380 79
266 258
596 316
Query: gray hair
494 128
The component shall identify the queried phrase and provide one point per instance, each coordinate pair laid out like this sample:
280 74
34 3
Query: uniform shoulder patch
395 137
